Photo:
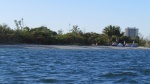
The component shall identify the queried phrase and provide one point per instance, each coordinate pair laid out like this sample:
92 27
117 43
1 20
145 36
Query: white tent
120 45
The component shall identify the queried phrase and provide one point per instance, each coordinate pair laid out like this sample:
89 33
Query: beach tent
133 45
120 45
114 44
127 45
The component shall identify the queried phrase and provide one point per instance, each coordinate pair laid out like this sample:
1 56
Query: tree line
44 35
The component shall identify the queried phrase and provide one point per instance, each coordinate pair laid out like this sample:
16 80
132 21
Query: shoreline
67 46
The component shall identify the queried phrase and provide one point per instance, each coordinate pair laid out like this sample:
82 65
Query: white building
132 32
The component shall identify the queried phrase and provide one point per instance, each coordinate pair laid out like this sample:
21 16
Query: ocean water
54 65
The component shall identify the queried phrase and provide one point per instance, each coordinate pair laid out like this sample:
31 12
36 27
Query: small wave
120 74
126 80
48 81
145 72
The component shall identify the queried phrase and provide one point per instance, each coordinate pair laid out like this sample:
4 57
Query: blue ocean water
22 65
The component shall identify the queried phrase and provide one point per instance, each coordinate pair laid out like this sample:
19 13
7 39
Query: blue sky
89 15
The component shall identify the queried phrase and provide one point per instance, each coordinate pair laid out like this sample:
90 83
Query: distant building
132 32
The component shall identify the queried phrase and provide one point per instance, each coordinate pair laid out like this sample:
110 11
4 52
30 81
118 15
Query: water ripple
79 66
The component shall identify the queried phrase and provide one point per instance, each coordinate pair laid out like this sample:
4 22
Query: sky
89 15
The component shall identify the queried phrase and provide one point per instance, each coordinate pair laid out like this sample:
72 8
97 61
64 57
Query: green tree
6 34
60 32
42 35
102 39
118 33
76 29
19 24
111 31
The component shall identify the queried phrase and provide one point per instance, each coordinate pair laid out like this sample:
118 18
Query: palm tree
118 33
109 31
113 31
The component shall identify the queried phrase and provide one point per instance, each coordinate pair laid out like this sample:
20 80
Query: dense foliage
43 35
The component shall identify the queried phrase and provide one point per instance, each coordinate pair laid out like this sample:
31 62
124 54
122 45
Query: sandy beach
68 47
